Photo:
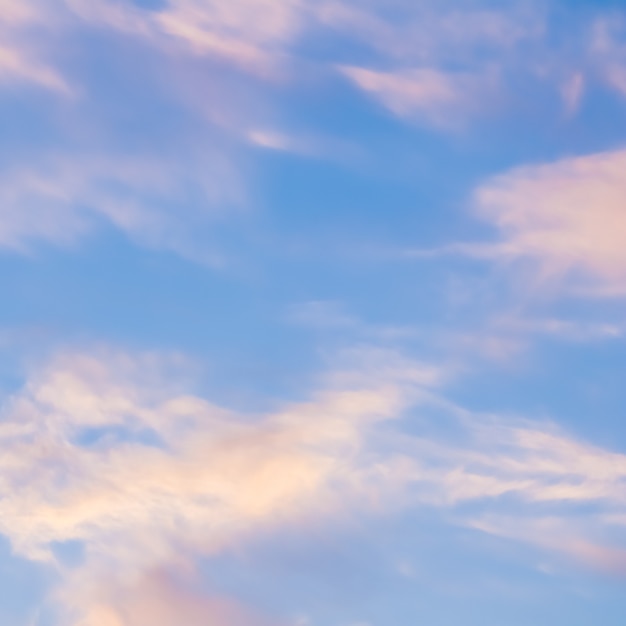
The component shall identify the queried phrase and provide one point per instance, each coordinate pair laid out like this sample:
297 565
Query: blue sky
313 313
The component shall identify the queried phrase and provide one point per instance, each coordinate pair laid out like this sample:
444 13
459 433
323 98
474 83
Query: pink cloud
567 217
442 98
23 26
158 598
252 34
111 454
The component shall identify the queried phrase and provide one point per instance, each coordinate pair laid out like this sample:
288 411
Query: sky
312 312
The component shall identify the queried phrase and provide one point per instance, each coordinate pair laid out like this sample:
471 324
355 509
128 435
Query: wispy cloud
155 201
566 217
435 32
144 475
422 55
444 99
436 62
526 481
162 598
109 451
573 91
22 24
163 188
608 52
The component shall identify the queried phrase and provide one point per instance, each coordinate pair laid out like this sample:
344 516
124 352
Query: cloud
221 471
191 119
441 63
423 55
323 314
159 598
607 52
526 481
18 64
435 32
104 451
109 451
158 202
562 537
261 36
570 330
23 26
567 217
248 31
537 463
572 92
308 145
254 35
441 98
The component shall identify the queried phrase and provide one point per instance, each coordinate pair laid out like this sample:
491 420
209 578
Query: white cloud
567 217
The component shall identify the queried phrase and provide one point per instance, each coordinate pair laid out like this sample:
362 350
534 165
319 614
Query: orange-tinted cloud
108 451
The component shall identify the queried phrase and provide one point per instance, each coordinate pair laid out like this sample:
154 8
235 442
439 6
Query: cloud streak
437 63
442 99
23 24
156 202
253 35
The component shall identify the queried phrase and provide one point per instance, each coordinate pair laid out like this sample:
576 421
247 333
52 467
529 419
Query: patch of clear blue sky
412 570
21 589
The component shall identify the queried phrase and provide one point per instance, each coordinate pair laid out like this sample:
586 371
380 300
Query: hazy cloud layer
109 451
152 200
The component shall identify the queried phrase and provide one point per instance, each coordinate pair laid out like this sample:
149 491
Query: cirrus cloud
155 201
442 99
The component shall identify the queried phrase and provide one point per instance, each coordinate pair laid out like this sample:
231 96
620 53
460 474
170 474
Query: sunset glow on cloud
313 312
